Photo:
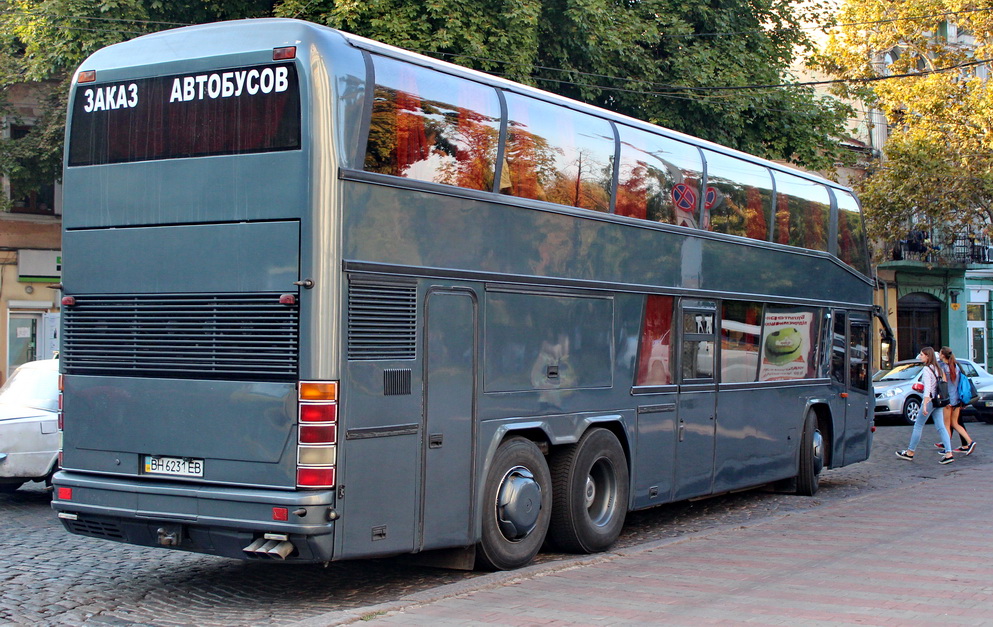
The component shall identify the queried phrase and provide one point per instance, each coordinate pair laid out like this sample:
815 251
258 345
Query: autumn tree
924 64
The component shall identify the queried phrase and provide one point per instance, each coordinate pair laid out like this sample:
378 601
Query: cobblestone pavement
48 576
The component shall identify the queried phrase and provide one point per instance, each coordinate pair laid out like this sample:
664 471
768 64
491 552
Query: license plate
988 403
174 466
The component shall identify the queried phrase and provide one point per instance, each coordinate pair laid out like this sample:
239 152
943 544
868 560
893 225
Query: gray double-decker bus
327 299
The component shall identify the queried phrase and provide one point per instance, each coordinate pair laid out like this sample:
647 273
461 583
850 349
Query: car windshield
902 373
32 387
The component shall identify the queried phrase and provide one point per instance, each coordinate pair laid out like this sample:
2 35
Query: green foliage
937 167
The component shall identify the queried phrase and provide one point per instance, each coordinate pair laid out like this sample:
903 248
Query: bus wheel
811 458
590 493
517 504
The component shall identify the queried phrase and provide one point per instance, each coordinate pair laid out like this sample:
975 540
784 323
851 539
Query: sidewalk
918 554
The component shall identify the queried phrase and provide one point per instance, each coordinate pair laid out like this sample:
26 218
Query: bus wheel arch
591 488
517 504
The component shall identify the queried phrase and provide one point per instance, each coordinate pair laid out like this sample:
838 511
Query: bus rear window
226 112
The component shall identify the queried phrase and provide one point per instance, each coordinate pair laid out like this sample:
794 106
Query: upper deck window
225 112
852 247
802 212
738 199
659 178
557 154
432 127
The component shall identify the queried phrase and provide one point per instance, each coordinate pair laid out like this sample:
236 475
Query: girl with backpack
952 373
932 374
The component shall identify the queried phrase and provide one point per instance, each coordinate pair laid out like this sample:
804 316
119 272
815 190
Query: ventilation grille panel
215 336
396 381
382 320
106 529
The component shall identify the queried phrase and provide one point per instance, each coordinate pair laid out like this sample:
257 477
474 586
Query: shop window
430 126
659 179
37 201
557 155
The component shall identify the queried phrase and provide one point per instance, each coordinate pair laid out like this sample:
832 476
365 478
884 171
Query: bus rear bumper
215 520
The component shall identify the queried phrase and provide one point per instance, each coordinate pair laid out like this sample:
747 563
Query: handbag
967 390
941 398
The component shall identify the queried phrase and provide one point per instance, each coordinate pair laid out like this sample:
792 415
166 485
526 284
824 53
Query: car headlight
890 393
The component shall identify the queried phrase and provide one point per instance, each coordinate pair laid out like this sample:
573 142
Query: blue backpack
967 389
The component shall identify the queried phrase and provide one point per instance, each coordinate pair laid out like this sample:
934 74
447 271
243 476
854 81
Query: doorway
918 318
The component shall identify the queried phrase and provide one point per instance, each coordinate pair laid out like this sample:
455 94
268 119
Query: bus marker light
318 413
324 434
65 494
282 54
280 513
68 301
87 76
287 299
318 390
315 477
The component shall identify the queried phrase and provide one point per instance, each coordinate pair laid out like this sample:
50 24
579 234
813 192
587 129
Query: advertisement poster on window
787 338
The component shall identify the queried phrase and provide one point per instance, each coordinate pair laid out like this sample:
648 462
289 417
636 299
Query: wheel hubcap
601 492
518 503
818 452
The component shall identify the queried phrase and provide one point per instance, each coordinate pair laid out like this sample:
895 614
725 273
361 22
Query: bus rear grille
106 529
216 336
382 320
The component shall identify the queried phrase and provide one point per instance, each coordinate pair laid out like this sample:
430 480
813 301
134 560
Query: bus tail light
317 434
315 477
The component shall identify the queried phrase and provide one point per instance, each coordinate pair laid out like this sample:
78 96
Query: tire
517 506
985 416
911 407
10 488
589 493
811 458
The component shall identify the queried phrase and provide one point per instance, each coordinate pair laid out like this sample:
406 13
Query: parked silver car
899 391
29 437
983 403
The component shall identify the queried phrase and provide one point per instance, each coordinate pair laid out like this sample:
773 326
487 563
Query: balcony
963 250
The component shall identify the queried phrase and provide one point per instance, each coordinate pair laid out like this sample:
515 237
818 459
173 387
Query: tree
904 58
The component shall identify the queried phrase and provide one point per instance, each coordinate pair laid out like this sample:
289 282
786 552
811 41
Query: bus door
850 359
448 440
697 404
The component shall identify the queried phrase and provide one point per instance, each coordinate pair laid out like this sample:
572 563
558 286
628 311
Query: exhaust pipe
272 549
281 550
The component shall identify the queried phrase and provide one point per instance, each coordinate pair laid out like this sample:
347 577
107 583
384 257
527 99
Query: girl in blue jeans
930 380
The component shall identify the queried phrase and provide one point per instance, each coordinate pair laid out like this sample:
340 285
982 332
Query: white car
29 434
899 390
